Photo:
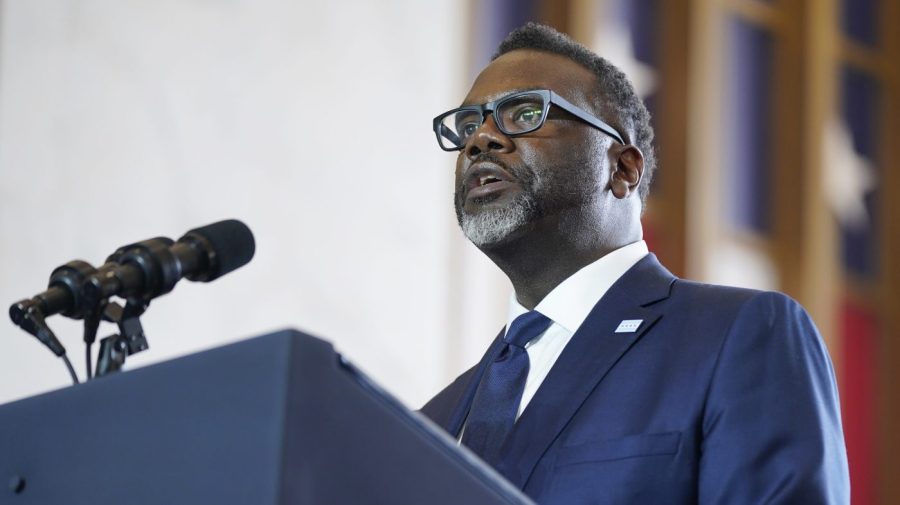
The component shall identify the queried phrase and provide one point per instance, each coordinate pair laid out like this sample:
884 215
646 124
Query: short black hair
615 95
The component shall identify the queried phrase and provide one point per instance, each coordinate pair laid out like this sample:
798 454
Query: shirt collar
569 304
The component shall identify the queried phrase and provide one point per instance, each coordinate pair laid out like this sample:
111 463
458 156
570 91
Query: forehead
528 69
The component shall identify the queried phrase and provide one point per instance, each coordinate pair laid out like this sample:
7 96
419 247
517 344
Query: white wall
310 121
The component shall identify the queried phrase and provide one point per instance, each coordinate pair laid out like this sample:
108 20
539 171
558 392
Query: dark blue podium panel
279 419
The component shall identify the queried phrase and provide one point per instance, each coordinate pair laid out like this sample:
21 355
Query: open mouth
487 186
484 180
486 174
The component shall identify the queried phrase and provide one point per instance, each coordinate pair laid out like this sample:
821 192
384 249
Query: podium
278 419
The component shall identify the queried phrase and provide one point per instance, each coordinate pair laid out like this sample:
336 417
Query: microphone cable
71 369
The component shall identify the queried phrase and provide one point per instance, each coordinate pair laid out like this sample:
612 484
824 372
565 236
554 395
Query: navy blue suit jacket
722 395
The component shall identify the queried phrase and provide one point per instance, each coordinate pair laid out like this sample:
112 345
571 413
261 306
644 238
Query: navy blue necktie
496 402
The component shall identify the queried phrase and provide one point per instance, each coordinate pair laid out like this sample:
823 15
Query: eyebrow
500 95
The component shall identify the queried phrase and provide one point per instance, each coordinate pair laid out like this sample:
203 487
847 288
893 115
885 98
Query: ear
627 171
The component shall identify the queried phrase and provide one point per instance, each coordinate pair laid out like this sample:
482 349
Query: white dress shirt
568 305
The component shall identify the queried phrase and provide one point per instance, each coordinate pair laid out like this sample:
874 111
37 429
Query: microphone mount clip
130 339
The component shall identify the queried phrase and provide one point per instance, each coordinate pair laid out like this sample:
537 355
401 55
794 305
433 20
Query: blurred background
122 120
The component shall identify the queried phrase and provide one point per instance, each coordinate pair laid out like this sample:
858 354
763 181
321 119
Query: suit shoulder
738 299
704 290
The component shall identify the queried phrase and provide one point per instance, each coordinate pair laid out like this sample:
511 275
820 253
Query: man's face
555 175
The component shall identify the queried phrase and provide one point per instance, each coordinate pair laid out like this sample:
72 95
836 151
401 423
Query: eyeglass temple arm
584 116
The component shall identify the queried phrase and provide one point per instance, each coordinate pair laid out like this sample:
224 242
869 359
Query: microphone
152 267
138 272
62 295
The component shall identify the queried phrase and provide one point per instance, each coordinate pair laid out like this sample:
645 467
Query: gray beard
493 225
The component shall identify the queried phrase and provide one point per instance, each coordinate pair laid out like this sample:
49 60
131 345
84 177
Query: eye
466 123
528 115
524 114
466 130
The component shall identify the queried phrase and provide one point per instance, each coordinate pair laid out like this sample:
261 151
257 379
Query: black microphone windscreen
232 241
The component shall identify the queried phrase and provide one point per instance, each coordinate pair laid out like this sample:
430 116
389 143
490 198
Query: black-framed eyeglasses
515 114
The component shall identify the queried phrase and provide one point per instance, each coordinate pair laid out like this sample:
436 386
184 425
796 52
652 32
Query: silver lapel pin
629 325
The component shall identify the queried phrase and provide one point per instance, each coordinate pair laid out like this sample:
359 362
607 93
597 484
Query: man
617 382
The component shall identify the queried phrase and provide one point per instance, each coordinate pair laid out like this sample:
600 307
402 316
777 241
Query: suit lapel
590 354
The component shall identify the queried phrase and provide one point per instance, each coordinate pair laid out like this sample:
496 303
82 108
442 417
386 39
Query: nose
487 138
